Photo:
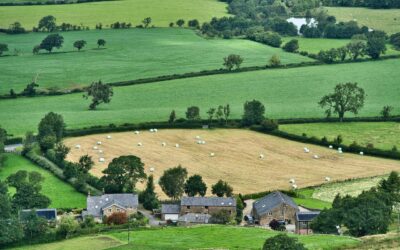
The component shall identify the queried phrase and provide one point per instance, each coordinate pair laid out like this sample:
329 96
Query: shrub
221 217
269 125
283 242
274 61
117 219
291 46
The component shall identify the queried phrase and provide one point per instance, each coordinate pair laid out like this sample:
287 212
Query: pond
300 21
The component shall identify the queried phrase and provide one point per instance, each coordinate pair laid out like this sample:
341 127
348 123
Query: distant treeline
56 2
375 4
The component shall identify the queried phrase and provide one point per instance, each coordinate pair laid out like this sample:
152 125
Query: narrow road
153 221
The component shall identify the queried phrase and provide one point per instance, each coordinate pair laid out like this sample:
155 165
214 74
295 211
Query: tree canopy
347 97
52 41
122 174
221 189
195 186
172 182
100 93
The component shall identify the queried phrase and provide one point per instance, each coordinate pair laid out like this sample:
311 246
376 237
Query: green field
62 195
381 19
315 45
218 237
328 192
134 11
308 200
129 54
383 135
286 93
82 243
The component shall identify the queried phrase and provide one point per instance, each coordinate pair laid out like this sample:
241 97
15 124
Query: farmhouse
303 220
197 210
276 206
107 204
207 205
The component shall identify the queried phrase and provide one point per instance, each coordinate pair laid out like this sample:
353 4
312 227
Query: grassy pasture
383 135
382 19
287 93
134 11
61 194
219 237
236 158
315 45
99 242
129 54
354 187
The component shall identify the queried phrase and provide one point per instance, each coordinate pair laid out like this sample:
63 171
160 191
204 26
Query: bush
283 242
269 38
269 125
117 219
221 217
291 46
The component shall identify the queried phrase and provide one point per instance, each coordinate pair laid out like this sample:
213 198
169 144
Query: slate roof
306 216
195 218
170 208
95 204
208 201
47 213
267 203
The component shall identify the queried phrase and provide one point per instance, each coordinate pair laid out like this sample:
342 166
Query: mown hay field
286 93
134 11
237 158
352 187
128 55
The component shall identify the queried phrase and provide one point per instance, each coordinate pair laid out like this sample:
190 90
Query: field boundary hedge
220 71
356 149
46 164
51 2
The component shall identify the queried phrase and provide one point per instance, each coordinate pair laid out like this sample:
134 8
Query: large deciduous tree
28 187
122 174
146 22
172 182
52 41
376 44
79 44
195 186
253 113
47 23
100 93
50 130
101 42
221 189
283 242
193 113
347 97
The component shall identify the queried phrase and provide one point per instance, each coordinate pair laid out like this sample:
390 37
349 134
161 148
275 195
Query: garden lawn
286 93
128 54
134 11
82 243
382 135
315 45
61 194
382 19
219 237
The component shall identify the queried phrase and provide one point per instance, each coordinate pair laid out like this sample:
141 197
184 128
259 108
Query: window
109 210
117 209
188 207
206 207
269 213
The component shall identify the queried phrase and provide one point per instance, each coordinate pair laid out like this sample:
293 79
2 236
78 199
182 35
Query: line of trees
375 4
